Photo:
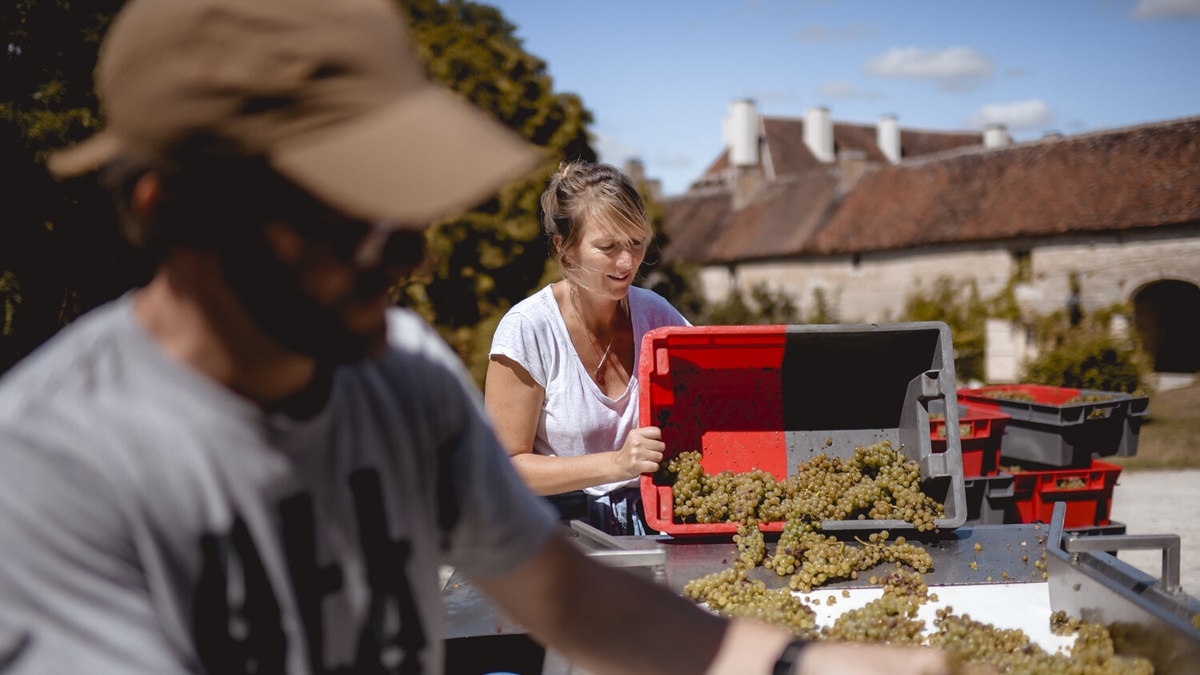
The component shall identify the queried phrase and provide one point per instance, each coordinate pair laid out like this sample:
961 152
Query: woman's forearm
547 475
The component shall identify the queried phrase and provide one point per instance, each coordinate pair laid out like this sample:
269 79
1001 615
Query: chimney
887 137
637 172
852 164
996 136
818 133
635 169
741 133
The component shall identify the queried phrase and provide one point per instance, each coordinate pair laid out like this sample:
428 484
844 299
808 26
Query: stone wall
873 287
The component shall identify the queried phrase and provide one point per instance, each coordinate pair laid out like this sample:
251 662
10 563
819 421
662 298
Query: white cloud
955 69
821 34
1166 9
676 162
1017 116
614 151
847 91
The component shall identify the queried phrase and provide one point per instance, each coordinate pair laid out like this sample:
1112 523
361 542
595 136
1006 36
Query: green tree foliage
734 310
1075 350
763 307
484 261
1082 352
824 309
60 248
959 305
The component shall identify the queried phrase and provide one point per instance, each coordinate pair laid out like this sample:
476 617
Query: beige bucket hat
330 92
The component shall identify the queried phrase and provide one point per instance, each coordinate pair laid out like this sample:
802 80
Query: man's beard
270 292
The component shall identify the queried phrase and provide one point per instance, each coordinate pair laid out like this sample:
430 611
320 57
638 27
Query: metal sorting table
1147 616
999 557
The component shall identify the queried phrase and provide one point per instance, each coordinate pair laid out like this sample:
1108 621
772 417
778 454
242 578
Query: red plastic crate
980 431
1088 505
772 397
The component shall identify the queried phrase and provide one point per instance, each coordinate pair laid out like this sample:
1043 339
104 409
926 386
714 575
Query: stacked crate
989 491
1052 443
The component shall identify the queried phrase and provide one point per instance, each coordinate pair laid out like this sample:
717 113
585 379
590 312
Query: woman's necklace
592 339
604 356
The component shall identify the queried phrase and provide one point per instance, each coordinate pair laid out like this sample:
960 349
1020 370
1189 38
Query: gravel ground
1161 502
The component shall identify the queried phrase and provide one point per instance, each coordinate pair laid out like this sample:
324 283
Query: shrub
959 306
764 307
1080 351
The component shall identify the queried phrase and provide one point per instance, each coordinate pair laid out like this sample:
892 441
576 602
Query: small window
1022 264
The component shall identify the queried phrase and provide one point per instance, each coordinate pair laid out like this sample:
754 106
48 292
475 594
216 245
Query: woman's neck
600 316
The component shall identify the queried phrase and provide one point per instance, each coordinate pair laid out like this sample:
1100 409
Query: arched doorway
1166 314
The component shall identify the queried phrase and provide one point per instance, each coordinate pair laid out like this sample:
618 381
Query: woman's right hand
641 453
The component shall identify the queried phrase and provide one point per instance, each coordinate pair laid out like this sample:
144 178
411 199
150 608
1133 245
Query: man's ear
146 194
287 243
140 212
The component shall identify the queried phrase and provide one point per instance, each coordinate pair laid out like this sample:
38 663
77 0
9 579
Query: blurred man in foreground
252 464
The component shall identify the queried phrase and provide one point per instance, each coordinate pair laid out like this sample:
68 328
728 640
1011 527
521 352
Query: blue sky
659 75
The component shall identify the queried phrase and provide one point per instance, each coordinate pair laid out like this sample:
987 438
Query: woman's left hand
641 453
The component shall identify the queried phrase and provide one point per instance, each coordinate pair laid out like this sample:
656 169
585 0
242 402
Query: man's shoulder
81 356
418 351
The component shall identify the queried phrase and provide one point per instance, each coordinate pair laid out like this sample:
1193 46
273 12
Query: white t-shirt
152 521
577 417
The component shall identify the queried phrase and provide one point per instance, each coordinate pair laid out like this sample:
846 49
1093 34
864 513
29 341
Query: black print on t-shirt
237 621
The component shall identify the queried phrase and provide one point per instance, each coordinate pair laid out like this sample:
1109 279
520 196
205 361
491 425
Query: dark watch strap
790 656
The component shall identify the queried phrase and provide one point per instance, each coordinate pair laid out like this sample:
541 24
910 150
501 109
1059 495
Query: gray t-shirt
152 521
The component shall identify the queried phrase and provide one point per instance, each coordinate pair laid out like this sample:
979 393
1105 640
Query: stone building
860 216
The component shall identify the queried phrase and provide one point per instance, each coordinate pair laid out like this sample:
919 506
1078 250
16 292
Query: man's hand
849 658
753 647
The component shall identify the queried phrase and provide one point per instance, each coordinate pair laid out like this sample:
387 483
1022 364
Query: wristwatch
789 658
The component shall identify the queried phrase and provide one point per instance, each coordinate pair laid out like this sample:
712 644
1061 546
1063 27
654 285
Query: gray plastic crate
773 397
990 500
1052 433
1138 407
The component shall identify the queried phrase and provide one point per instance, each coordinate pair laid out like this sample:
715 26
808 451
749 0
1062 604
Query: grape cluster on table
880 484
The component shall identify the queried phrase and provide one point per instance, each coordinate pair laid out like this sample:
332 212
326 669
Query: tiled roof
787 216
1140 177
783 140
1123 179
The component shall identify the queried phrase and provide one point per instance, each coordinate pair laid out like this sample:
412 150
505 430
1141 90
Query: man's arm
607 620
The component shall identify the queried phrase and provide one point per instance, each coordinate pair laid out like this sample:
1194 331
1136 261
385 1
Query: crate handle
931 386
1169 544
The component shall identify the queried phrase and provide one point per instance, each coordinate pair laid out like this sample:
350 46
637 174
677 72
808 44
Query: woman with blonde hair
562 387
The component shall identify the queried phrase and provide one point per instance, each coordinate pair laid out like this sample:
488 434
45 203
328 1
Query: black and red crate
772 397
